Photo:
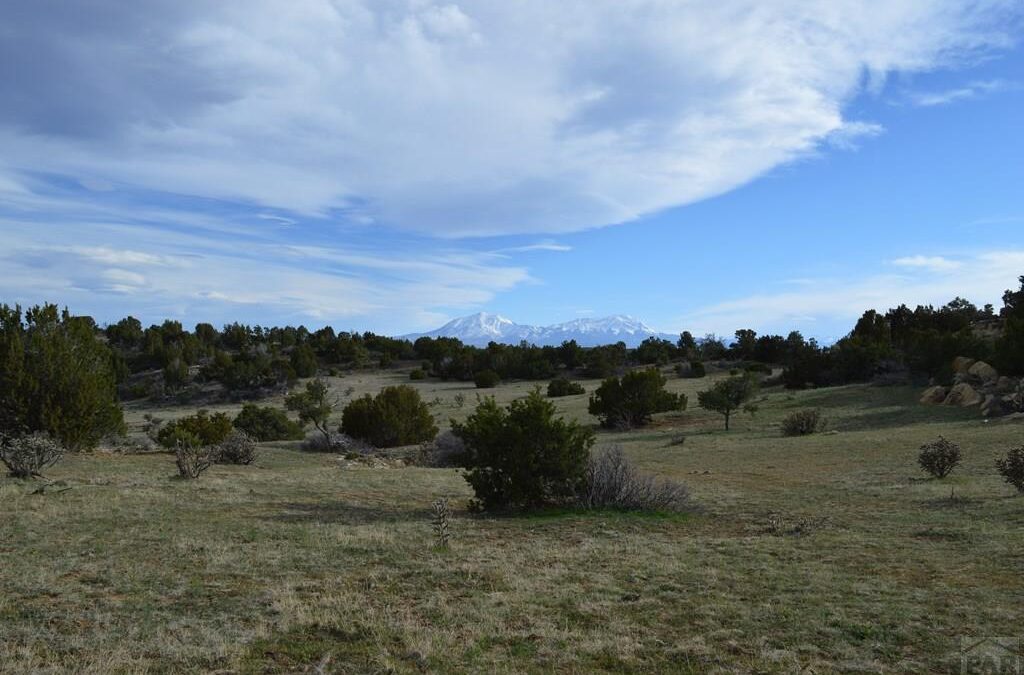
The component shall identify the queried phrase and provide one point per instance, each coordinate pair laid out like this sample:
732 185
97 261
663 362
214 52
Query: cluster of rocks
976 383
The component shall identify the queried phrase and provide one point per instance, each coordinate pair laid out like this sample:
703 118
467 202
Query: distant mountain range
480 329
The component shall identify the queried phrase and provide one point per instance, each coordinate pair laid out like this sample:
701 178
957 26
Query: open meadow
827 553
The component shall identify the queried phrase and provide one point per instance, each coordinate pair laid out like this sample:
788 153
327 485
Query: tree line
65 375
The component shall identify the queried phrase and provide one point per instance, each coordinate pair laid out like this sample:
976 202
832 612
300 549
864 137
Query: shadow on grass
607 514
343 512
864 407
316 648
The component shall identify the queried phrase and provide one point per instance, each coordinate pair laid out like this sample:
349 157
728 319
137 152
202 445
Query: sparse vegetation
630 401
27 456
395 416
325 555
939 457
803 423
445 451
523 456
441 523
335 442
314 406
612 482
237 448
1011 468
193 459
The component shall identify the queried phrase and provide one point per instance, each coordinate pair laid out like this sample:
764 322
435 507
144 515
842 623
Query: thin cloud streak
981 278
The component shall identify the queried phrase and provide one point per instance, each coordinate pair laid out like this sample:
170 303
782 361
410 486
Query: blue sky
390 165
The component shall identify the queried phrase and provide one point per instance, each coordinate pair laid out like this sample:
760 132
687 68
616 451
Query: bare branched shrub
442 515
335 442
613 482
193 459
445 451
939 457
1011 468
237 448
26 456
802 423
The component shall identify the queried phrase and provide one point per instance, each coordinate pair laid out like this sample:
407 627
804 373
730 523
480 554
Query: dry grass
295 563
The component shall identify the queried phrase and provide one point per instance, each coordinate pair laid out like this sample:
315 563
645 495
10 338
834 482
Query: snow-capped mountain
479 329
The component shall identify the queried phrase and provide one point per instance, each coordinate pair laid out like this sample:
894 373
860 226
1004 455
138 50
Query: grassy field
830 553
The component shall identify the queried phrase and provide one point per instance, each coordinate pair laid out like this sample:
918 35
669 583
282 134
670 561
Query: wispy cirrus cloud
931 263
964 93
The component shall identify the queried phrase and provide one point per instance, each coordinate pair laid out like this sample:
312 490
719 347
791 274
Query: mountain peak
482 328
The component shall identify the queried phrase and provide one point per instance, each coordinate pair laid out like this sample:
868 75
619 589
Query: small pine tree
727 396
313 406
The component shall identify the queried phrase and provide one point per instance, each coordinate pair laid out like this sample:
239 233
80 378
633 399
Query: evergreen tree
56 376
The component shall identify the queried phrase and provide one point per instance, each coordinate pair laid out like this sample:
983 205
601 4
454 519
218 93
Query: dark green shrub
202 429
939 457
486 379
418 374
1011 468
630 401
727 396
303 361
267 424
802 423
237 448
523 456
561 386
395 416
697 369
56 377
762 368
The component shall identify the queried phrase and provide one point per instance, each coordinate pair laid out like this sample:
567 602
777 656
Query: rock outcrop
962 364
976 383
983 372
934 395
963 395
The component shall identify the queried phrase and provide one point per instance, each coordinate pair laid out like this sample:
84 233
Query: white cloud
972 90
475 118
930 263
546 245
189 275
981 278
